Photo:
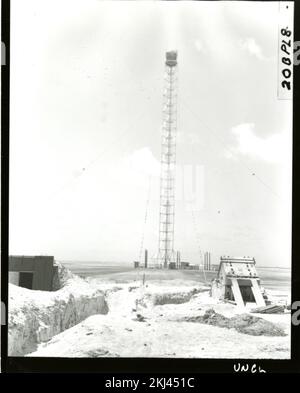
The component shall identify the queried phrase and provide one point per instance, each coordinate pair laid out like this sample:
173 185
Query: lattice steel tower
166 253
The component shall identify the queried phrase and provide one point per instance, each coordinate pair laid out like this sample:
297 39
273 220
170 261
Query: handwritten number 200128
286 47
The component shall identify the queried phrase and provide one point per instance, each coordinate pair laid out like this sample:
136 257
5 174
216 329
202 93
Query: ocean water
275 278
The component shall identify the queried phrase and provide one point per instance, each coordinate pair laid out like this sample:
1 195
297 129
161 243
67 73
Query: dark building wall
184 265
41 267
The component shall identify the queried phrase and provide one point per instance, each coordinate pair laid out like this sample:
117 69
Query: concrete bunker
237 280
32 272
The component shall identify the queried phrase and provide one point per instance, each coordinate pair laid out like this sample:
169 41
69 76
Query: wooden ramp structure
237 280
271 309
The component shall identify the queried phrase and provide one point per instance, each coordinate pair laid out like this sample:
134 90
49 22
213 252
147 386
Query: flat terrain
272 278
125 274
146 275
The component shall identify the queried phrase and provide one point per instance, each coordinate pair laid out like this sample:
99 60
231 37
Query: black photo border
139 365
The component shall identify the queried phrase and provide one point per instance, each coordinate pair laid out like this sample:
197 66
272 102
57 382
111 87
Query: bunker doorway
26 279
245 291
247 294
242 290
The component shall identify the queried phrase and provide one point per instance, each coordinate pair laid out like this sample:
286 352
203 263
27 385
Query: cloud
131 171
143 160
271 149
251 46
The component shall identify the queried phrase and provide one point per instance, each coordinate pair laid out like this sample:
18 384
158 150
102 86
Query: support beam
237 293
260 301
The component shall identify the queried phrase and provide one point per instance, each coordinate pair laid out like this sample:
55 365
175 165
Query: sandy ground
37 316
150 320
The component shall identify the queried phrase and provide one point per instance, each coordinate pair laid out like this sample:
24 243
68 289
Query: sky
87 81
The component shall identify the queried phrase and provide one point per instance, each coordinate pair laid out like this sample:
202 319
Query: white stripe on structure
260 301
237 293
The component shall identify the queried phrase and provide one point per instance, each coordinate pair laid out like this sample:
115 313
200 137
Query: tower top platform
171 58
